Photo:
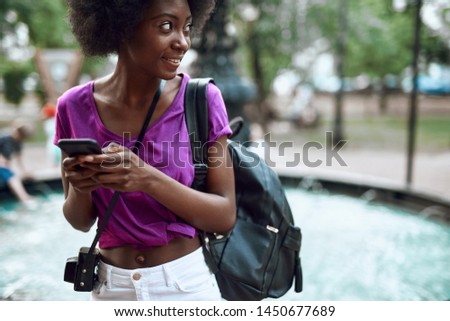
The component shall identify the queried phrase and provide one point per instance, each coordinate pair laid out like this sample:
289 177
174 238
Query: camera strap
135 149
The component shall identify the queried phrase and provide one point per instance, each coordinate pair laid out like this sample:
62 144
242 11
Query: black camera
82 270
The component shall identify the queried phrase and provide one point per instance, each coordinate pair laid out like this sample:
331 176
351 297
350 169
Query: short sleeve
218 117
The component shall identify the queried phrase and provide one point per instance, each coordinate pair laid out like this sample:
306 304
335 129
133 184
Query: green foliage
48 27
267 44
46 21
14 77
381 43
379 40
435 49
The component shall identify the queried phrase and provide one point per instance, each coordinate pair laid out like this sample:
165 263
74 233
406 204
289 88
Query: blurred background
369 79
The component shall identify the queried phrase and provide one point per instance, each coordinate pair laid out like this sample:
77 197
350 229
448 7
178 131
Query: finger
70 162
113 148
123 159
96 169
83 183
108 165
79 174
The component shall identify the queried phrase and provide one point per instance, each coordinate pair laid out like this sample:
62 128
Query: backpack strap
196 113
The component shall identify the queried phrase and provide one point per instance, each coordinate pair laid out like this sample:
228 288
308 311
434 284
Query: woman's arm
77 184
214 211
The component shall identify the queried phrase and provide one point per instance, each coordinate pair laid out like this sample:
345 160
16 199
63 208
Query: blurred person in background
11 144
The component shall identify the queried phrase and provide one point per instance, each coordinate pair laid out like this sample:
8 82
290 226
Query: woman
150 248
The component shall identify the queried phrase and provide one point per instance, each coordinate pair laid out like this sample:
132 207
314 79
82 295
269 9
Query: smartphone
79 146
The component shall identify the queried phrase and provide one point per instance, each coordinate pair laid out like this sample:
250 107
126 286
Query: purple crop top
138 220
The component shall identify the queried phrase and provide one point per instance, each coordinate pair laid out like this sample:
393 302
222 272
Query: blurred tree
14 76
28 24
45 19
266 32
379 40
270 33
277 34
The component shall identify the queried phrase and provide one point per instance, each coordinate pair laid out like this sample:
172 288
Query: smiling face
161 39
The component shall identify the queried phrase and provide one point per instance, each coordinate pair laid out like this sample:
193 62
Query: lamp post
413 97
401 5
215 50
338 135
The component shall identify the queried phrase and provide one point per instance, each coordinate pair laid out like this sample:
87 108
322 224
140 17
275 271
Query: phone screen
79 146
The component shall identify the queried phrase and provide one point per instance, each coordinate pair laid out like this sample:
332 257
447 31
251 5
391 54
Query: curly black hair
101 25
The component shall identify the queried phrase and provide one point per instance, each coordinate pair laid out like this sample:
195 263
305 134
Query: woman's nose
182 42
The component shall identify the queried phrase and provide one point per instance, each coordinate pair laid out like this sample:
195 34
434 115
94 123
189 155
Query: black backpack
260 257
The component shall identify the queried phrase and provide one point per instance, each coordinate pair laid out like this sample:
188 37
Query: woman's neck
128 88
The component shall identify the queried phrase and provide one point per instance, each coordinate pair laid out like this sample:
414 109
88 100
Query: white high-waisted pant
186 278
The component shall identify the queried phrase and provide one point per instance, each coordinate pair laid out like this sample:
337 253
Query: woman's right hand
80 177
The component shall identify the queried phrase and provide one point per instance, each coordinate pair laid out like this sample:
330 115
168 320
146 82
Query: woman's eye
188 28
166 26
